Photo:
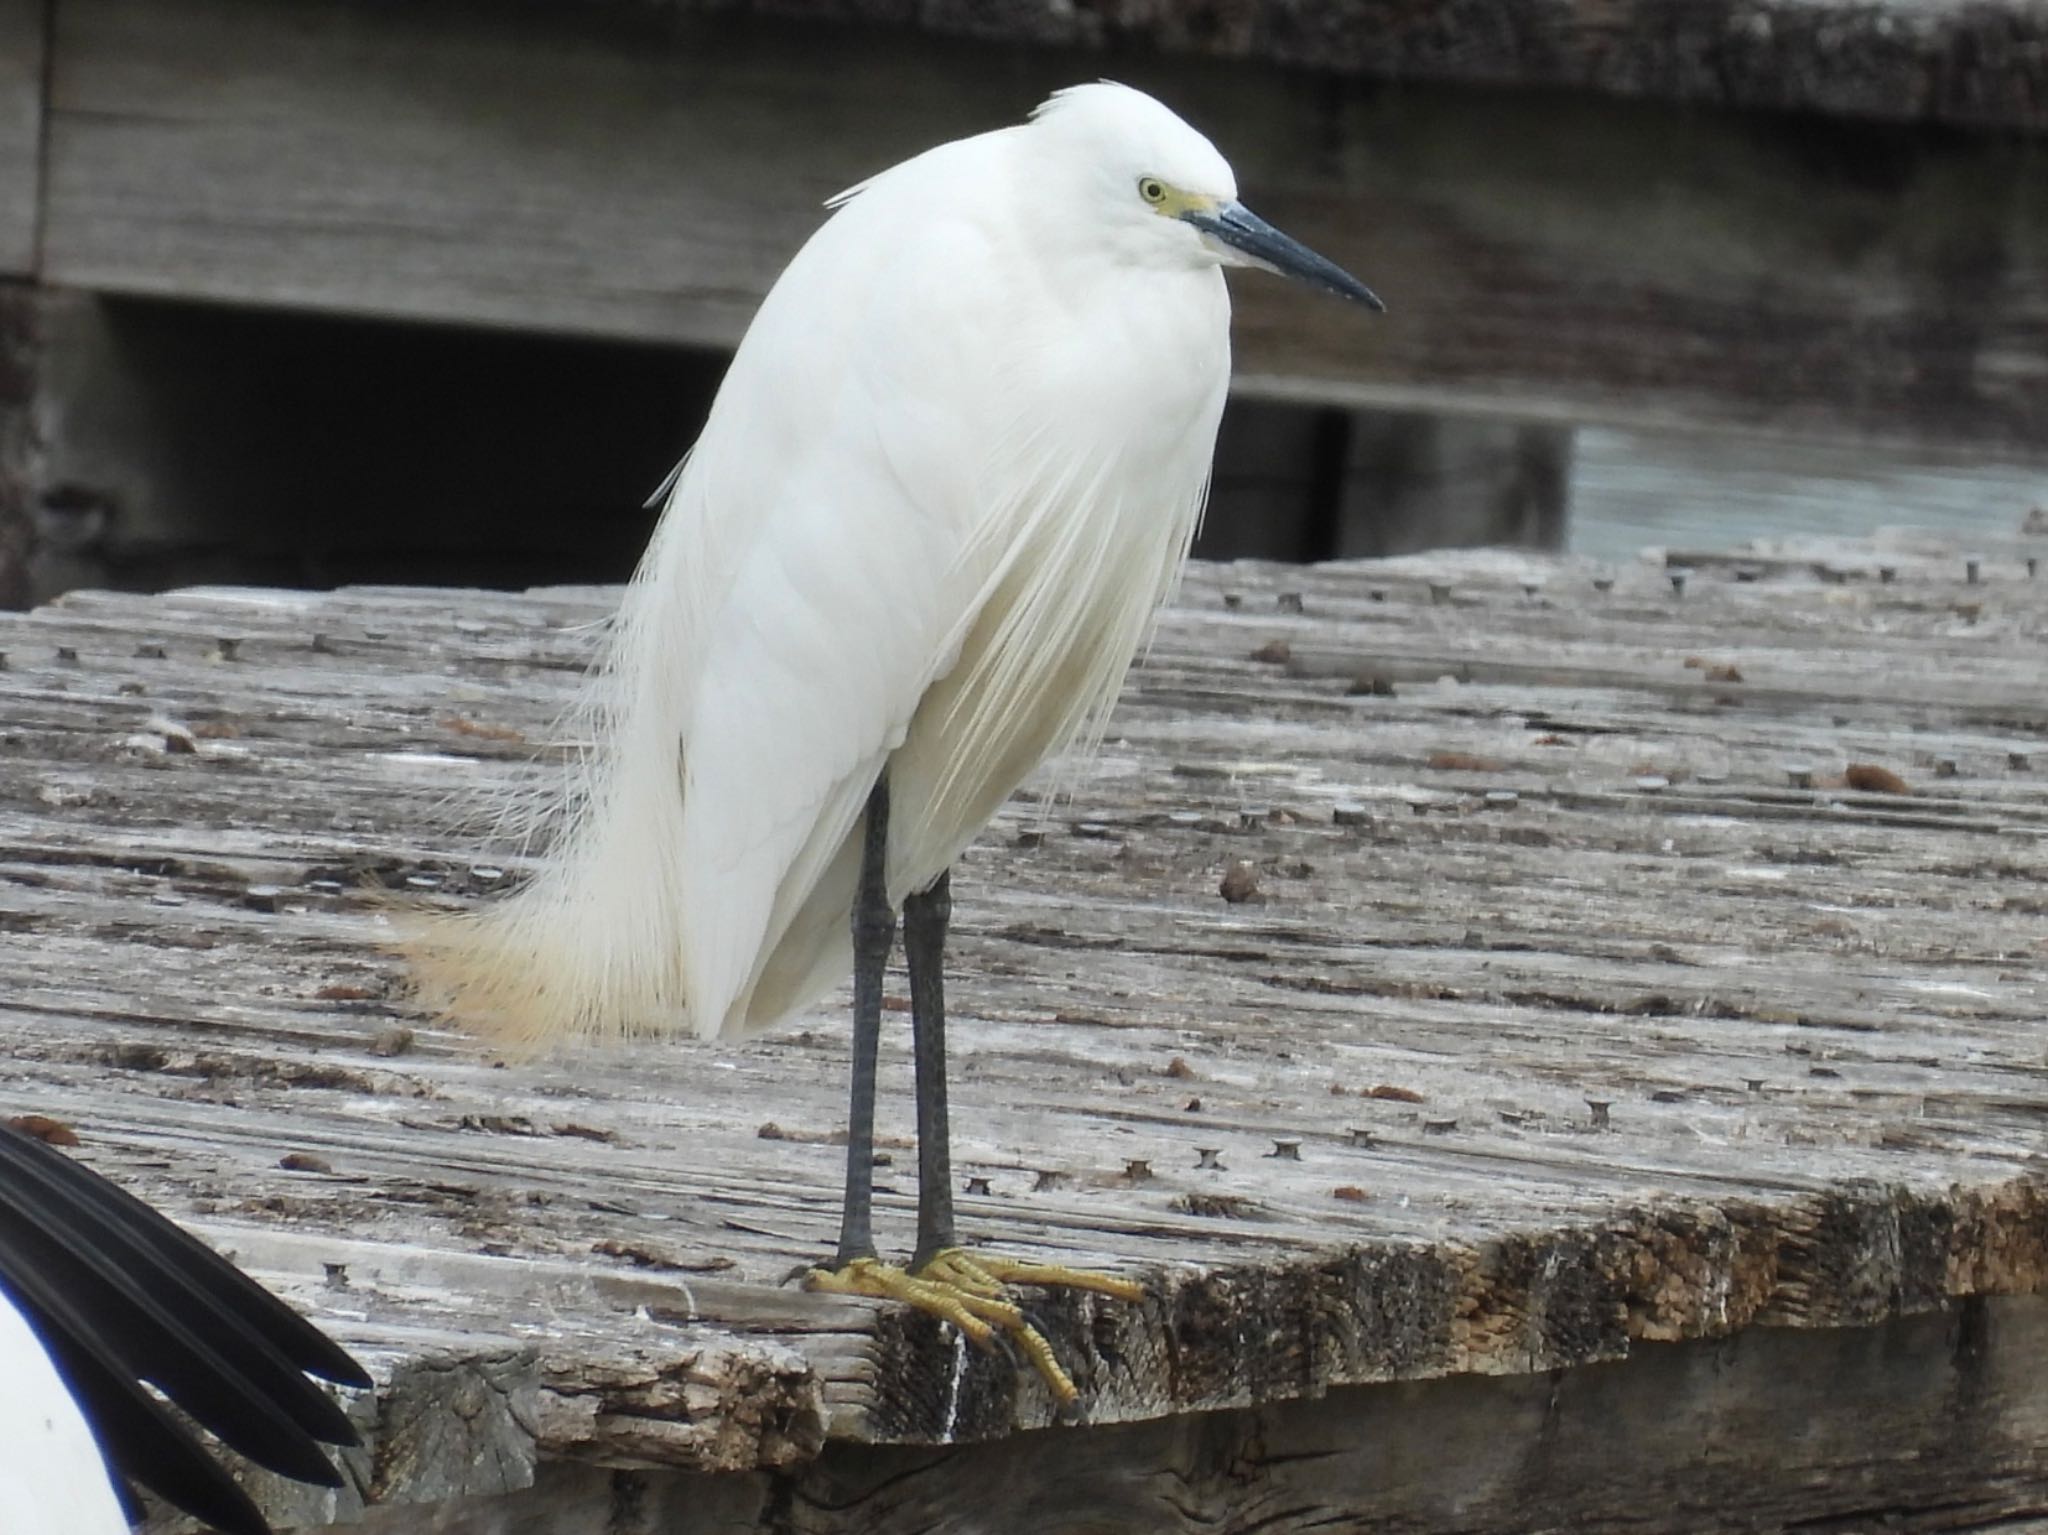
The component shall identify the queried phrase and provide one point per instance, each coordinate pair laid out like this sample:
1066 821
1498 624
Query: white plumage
953 470
53 1480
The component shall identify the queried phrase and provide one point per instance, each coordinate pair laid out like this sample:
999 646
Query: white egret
952 471
100 1294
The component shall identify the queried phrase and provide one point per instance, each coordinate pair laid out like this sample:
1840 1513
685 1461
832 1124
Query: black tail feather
172 1247
120 1296
180 1320
137 1433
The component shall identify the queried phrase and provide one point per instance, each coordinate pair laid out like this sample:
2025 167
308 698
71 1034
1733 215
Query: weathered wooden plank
21 133
1579 1028
528 169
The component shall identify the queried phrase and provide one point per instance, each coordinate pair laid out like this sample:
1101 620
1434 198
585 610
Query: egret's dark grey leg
964 1289
925 916
874 931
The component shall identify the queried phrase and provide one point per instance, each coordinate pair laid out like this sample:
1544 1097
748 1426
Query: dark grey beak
1243 230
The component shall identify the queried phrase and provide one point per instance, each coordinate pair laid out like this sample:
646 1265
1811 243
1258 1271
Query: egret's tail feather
561 959
588 948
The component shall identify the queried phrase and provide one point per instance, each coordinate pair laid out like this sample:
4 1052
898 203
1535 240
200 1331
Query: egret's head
1161 193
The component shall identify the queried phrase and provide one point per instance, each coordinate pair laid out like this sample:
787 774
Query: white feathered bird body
952 471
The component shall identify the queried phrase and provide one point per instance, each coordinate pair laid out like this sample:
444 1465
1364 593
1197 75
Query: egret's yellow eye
1152 189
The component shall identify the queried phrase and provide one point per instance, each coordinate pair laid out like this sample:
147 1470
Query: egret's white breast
1100 463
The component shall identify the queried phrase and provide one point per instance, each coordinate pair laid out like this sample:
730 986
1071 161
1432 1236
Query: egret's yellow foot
975 1312
967 1290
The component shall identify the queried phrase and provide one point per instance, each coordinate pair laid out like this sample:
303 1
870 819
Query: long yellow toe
966 1289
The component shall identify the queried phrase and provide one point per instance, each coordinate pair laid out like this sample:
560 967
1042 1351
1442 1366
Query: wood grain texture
1548 256
21 133
1577 1025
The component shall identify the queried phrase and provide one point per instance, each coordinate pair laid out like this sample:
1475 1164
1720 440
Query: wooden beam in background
1569 259
21 306
1984 64
516 170
1547 256
21 133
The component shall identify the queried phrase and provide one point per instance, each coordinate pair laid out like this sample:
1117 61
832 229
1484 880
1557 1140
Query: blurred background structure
345 290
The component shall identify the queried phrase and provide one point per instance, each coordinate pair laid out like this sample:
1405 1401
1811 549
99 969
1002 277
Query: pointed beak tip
1237 226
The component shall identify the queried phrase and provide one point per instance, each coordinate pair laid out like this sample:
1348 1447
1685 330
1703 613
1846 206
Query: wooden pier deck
1562 1051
